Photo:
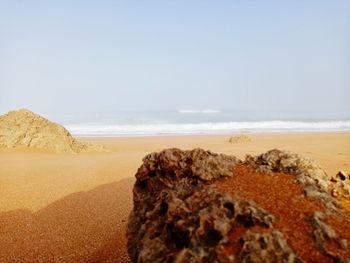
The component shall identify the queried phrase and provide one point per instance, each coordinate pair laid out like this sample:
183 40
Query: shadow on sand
81 227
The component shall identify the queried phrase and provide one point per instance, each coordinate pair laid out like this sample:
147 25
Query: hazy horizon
107 57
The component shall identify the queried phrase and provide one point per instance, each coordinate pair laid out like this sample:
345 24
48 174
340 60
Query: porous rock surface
181 214
25 129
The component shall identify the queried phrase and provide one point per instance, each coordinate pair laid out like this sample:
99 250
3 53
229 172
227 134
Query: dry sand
74 208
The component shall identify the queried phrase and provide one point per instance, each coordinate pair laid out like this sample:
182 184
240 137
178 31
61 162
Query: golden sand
74 208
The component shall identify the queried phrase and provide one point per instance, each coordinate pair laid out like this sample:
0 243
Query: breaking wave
205 128
198 111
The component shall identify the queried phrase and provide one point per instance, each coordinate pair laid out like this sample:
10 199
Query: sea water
199 121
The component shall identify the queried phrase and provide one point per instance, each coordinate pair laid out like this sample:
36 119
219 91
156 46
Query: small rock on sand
240 139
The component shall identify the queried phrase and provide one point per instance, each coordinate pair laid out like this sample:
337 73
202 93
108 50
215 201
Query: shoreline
93 136
204 128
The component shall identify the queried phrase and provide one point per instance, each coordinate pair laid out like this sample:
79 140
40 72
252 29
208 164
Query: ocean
207 121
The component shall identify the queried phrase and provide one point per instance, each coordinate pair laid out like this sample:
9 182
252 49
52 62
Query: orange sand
73 208
269 192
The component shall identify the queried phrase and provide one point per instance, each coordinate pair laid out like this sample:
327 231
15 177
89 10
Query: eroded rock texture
183 214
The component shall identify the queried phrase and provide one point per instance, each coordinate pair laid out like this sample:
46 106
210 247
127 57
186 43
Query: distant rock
25 129
240 139
198 206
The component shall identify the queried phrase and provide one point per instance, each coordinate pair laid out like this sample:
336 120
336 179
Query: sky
106 56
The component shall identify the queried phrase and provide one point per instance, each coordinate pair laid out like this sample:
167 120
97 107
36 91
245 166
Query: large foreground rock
197 206
25 129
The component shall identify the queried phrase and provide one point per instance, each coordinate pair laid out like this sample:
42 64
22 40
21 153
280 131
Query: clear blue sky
92 56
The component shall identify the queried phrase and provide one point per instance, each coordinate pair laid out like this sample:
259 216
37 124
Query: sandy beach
74 207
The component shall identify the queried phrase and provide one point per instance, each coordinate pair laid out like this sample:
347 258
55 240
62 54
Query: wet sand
74 208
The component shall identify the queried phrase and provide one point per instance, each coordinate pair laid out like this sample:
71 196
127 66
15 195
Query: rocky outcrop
25 129
197 206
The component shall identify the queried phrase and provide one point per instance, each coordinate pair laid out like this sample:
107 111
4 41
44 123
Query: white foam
198 111
205 128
